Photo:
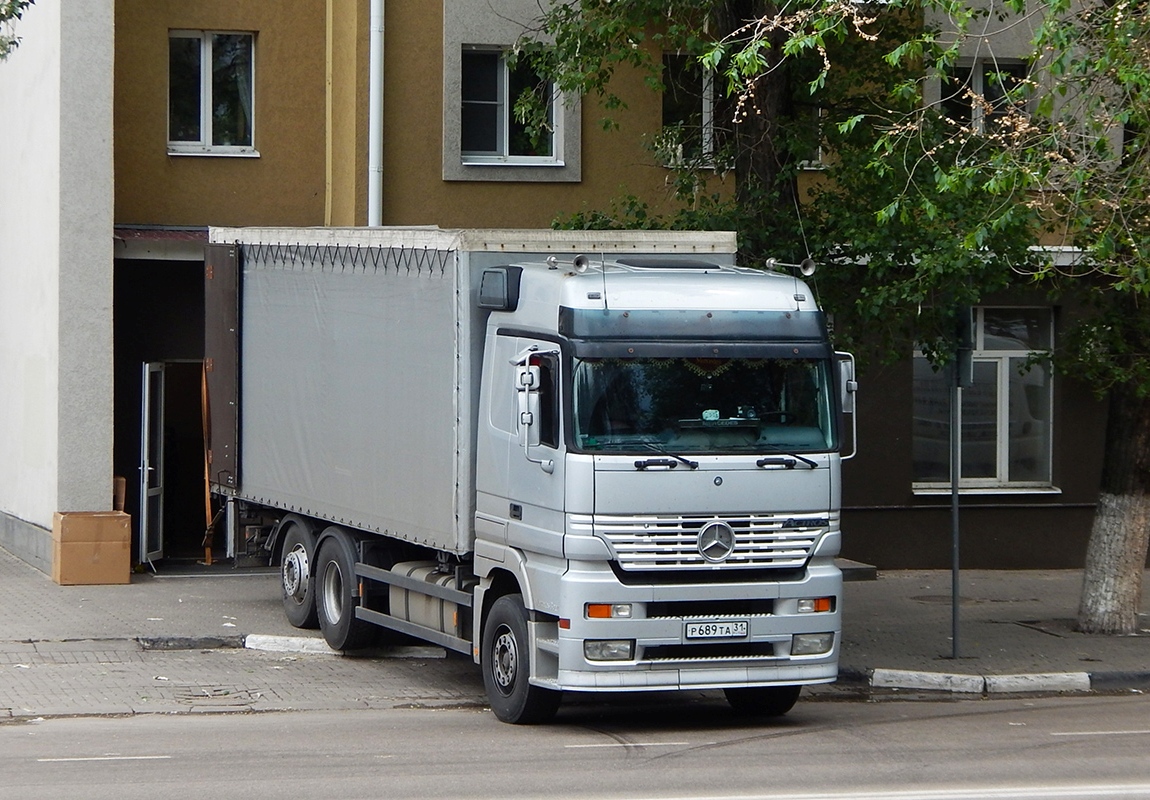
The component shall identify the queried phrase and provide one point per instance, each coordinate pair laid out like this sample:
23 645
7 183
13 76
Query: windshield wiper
788 460
662 462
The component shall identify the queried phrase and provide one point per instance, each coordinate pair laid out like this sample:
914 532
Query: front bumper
663 656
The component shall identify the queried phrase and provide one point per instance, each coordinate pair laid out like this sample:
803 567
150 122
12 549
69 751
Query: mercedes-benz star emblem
716 541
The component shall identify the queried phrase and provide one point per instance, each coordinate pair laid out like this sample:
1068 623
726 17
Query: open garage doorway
159 340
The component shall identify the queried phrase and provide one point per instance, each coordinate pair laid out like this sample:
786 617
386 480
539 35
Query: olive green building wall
285 184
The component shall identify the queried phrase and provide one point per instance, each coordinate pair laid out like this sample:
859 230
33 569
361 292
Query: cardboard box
90 547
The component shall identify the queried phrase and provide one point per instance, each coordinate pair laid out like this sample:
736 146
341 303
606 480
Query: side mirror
848 386
848 391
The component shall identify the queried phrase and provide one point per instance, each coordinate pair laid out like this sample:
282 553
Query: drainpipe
375 117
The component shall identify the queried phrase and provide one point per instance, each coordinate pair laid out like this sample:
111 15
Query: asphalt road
1055 747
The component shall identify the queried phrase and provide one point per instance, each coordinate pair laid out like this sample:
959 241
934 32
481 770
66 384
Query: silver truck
591 461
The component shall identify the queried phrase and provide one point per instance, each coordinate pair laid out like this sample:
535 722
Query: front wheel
506 664
763 701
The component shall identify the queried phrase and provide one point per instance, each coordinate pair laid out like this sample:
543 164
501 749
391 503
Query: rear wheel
506 658
763 701
335 598
296 576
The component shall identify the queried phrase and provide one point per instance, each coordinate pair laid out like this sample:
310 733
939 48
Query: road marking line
102 758
1100 733
630 744
987 793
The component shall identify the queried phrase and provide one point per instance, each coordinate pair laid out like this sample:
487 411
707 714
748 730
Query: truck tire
335 603
506 665
763 701
297 577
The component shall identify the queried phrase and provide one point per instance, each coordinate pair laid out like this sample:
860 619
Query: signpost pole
963 376
955 465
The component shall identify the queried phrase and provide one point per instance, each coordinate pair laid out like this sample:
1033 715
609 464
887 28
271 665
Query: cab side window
548 399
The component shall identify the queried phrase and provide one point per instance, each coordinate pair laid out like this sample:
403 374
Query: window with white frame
1004 417
978 94
211 93
489 131
688 135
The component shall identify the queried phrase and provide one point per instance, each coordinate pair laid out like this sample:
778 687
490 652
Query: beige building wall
347 48
286 183
613 163
311 127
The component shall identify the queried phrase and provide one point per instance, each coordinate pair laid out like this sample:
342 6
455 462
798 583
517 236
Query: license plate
719 629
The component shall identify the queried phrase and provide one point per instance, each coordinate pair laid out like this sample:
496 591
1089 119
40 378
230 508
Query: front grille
670 542
732 651
708 609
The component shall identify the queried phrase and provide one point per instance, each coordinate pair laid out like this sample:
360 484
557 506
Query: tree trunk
760 159
1116 552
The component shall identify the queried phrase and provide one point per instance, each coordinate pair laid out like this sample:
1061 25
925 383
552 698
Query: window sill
509 162
215 153
935 490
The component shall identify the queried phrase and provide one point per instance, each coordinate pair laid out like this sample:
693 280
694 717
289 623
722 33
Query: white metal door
152 462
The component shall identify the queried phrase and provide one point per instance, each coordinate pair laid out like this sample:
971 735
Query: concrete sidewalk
1015 633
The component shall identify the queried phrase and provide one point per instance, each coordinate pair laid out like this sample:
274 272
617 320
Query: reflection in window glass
931 426
980 423
1029 421
184 89
1025 329
481 105
231 89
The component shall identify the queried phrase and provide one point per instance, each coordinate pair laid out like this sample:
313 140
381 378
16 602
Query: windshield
698 405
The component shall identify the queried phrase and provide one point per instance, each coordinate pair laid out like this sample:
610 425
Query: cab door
535 461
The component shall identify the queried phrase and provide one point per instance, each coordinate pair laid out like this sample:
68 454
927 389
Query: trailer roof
509 240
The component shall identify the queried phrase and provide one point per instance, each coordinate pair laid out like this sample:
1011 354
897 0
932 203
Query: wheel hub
505 660
295 572
332 594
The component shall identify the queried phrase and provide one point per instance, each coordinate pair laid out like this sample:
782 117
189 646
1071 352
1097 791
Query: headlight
811 644
608 610
609 649
814 605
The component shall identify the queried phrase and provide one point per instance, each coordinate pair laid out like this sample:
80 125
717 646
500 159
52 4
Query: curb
1031 683
1120 681
315 645
1042 682
312 645
928 681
